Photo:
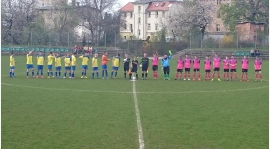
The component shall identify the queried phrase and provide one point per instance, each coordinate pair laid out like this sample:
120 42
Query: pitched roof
159 6
129 7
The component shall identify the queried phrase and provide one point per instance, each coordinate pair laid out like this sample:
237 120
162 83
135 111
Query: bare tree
18 16
189 15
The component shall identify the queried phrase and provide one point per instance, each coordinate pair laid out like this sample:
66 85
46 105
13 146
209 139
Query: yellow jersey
58 61
12 61
67 61
40 59
73 60
50 59
116 61
29 59
84 60
94 62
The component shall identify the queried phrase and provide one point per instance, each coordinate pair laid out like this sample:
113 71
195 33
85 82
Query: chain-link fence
222 40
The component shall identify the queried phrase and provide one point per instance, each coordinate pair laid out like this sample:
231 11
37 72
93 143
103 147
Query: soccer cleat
219 80
85 77
145 78
37 77
64 77
194 79
107 78
48 77
199 79
52 76
184 79
168 79
142 78
42 77
165 79
70 77
188 79
212 79
247 80
27 77
175 79
241 80
81 77
103 78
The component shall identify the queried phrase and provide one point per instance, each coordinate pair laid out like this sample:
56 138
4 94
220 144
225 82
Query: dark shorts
134 70
216 69
258 70
226 70
154 67
244 70
187 69
179 70
207 70
144 68
126 68
233 70
196 70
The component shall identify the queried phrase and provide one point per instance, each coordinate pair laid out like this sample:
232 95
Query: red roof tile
129 7
158 6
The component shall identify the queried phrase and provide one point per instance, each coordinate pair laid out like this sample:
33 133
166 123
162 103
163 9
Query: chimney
73 2
78 3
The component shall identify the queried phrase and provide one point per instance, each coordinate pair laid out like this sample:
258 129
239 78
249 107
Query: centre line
139 124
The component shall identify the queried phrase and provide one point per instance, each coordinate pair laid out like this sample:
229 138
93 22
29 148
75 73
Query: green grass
65 113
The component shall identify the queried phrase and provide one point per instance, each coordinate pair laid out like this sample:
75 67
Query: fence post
31 38
105 40
68 39
237 40
201 40
189 40
256 40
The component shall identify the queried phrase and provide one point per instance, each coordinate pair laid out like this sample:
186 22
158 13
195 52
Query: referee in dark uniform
126 63
145 65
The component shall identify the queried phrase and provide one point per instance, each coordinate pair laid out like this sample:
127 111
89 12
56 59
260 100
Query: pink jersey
233 63
155 61
244 63
180 64
196 63
216 61
207 64
226 63
187 62
258 64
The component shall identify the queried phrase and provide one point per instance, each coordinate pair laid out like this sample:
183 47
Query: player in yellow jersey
29 63
95 65
50 62
12 65
58 65
73 65
85 58
67 65
40 63
115 65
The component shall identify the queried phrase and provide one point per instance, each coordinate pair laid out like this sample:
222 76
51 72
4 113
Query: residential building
44 3
248 31
143 18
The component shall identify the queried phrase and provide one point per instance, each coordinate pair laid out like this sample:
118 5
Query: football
125 60
134 78
140 65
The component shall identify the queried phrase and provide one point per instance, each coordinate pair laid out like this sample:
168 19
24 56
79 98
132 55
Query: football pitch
121 114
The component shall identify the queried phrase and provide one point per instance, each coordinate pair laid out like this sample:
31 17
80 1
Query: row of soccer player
131 67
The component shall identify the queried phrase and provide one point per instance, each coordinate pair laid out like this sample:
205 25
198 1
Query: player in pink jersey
226 66
180 66
196 68
155 65
244 68
207 67
216 65
258 68
187 67
233 65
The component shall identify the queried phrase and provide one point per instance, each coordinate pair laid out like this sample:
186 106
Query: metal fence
256 40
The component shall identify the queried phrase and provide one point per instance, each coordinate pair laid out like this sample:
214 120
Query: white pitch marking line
95 91
139 124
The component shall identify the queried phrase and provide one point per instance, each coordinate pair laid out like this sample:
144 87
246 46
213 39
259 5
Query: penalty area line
138 118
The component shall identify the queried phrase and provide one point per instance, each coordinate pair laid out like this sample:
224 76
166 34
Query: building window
131 14
218 1
125 37
125 14
42 4
149 14
156 14
163 14
139 20
218 28
139 32
125 26
131 28
139 8
149 26
156 27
